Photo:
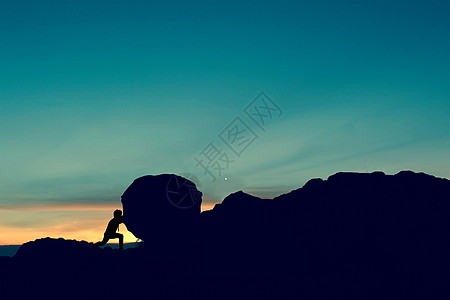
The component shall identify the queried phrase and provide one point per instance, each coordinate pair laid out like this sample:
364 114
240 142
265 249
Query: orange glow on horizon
74 222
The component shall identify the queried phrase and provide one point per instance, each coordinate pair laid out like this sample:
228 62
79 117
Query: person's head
117 213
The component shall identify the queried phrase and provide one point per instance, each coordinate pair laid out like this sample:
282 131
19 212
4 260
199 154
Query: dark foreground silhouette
111 230
352 236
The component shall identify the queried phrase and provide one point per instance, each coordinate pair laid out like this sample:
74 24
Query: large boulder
161 206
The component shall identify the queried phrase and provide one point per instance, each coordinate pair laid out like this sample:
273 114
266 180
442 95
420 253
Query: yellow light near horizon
18 236
73 222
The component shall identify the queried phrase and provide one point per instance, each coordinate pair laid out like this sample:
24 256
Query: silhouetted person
110 232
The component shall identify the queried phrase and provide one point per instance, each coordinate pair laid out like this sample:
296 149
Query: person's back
113 225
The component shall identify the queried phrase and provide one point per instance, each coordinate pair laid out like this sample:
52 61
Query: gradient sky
94 94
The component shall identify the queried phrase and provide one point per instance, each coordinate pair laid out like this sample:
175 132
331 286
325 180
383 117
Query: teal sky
96 93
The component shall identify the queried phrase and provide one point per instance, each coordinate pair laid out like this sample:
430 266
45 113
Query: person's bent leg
120 241
117 236
102 242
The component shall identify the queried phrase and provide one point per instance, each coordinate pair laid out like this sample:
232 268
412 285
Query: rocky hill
352 236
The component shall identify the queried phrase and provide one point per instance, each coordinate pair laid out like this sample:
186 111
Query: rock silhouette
352 236
157 205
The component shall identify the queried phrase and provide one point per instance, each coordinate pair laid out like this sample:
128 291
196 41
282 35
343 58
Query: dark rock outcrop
352 236
161 206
